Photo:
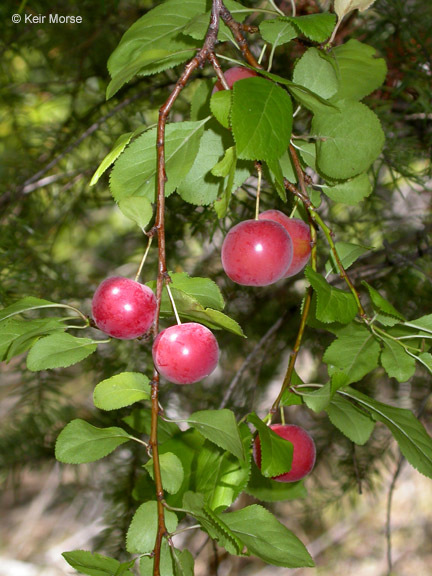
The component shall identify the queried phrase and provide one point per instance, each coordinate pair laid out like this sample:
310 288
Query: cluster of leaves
208 157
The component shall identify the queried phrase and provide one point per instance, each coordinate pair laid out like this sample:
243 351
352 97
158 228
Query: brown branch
206 53
237 31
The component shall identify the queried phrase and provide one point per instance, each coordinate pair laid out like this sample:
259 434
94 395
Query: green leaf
121 390
269 490
200 100
315 72
171 470
220 105
25 305
186 446
59 350
235 173
80 442
318 400
276 452
359 71
261 119
290 398
206 291
307 152
141 536
350 192
220 476
396 362
119 145
381 304
189 308
200 187
348 253
137 209
161 27
220 427
333 304
303 95
225 166
316 27
423 324
355 352
93 564
147 63
17 336
277 31
425 358
183 562
193 504
266 537
414 442
352 421
134 173
349 140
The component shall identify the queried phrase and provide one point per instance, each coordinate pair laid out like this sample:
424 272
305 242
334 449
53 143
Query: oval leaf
267 538
220 427
171 470
81 442
59 350
142 531
348 141
121 390
261 119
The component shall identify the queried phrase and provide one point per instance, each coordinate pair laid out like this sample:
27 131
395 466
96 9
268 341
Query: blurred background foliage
60 237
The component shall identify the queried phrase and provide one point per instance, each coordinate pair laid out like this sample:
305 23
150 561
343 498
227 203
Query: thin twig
206 53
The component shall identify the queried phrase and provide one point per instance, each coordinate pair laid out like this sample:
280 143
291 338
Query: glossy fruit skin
256 252
304 451
300 236
185 353
123 308
232 75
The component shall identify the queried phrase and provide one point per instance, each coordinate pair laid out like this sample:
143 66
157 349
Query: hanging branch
303 195
308 297
204 54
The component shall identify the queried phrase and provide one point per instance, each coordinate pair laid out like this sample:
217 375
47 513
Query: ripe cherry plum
232 75
300 236
123 308
304 451
256 252
185 353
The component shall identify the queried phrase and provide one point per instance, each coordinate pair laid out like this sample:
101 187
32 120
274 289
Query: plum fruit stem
143 259
258 167
174 307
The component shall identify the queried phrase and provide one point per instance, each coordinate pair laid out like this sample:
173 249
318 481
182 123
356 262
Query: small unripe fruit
304 451
185 353
300 236
256 252
123 308
233 75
